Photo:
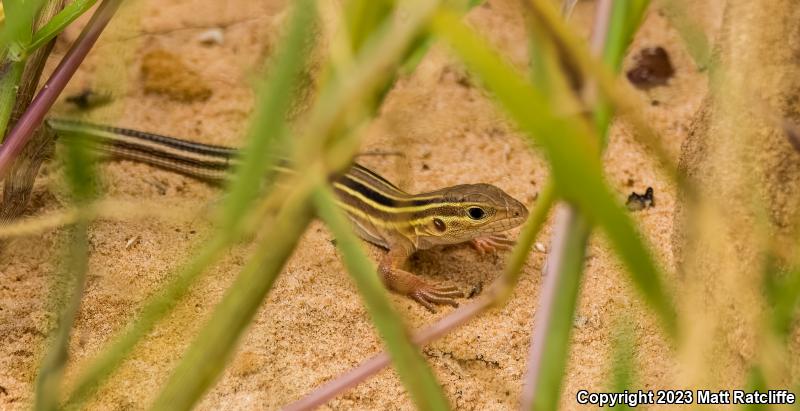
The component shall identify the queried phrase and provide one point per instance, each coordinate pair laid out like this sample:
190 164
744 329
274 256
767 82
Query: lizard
380 212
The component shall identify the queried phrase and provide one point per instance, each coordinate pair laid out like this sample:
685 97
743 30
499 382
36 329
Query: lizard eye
476 213
439 224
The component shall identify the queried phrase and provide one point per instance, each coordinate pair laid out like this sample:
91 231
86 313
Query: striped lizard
381 213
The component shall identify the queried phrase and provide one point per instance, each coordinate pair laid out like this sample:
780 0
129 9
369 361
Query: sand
313 325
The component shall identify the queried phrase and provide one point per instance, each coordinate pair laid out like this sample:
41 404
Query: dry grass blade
691 32
574 159
411 366
57 24
617 92
527 236
81 178
243 192
207 355
219 336
106 209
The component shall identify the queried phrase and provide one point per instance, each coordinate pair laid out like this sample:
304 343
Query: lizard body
381 213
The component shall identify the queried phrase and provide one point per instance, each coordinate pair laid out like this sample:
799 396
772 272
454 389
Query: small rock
211 37
653 68
132 242
638 201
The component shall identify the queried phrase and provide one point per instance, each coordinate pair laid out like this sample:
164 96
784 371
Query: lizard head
465 212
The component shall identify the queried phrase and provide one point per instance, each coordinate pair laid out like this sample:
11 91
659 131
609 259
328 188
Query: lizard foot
428 295
492 243
417 289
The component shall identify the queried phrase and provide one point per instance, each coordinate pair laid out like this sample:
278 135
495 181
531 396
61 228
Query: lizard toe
441 300
446 293
421 298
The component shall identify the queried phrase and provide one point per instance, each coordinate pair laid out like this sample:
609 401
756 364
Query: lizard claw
428 295
492 243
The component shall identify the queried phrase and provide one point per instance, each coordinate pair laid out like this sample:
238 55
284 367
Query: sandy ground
313 326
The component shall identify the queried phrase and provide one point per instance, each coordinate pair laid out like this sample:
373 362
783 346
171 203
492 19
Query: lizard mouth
505 224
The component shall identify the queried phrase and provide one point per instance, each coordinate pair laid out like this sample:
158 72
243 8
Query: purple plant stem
30 120
601 19
566 216
373 365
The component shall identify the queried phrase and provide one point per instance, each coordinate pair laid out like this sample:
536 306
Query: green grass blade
333 101
547 389
268 129
756 381
624 100
541 58
15 33
268 126
573 154
420 48
156 307
376 66
782 291
527 236
17 29
362 18
8 92
550 341
64 18
80 176
219 336
623 353
209 352
551 71
692 34
49 380
412 368
624 20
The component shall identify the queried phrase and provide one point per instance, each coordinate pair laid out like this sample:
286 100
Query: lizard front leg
404 282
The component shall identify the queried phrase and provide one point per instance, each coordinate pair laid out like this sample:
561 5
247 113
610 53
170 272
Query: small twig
32 118
119 210
566 216
373 365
